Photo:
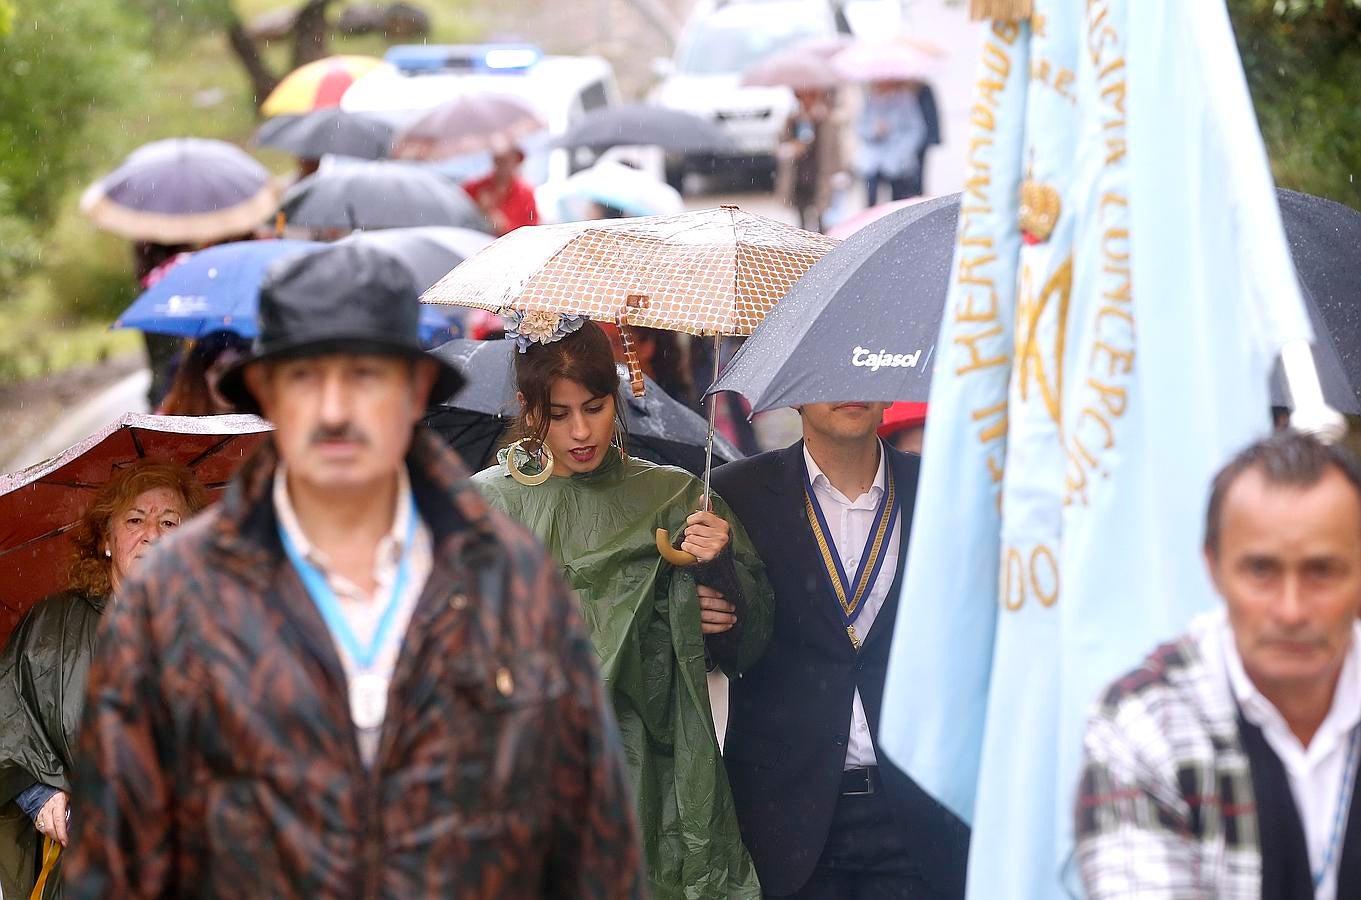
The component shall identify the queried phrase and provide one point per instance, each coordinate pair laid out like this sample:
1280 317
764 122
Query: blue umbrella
218 289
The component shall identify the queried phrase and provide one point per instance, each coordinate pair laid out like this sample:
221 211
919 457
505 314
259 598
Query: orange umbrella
318 85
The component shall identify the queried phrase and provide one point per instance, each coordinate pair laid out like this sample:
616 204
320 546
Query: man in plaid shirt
1225 765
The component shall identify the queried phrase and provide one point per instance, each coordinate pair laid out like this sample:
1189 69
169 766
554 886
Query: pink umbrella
895 60
850 226
471 123
796 68
39 505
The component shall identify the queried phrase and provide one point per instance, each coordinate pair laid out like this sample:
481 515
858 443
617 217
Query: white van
720 40
561 88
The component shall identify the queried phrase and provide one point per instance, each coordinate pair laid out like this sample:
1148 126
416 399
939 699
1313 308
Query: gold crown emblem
1040 207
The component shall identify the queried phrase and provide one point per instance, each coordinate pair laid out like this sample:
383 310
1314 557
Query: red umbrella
40 504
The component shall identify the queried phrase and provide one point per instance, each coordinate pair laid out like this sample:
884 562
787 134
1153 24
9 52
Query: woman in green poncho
597 511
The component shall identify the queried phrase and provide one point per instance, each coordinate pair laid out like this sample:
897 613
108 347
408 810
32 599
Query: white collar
1343 714
391 542
817 478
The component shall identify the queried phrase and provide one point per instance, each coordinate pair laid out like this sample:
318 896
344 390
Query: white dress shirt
1315 772
363 611
850 523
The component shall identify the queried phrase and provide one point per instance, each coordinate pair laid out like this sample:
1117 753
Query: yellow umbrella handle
679 558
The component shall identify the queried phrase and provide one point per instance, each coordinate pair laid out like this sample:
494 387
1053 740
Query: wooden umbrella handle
679 558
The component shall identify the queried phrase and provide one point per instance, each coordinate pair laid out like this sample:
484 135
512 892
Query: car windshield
716 48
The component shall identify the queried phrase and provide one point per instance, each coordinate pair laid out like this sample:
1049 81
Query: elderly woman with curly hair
43 668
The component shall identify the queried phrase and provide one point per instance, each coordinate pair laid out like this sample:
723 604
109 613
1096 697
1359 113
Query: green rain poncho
644 619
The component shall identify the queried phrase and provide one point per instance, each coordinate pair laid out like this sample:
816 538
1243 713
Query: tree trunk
311 33
262 78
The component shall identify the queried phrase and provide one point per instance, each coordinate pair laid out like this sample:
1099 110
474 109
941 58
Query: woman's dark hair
190 394
670 364
584 356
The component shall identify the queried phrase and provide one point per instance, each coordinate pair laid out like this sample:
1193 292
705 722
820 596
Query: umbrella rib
211 451
136 443
57 532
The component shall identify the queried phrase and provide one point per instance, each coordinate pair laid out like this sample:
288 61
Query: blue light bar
420 59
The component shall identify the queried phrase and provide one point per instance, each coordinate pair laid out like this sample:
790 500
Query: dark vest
790 714
1286 873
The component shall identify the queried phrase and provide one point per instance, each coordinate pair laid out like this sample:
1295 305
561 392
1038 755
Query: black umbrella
661 429
637 123
329 131
1325 242
381 194
862 323
429 253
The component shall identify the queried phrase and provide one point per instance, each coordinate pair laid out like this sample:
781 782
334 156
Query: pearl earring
109 554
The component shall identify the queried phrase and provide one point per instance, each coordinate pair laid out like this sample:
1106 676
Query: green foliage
1303 64
60 62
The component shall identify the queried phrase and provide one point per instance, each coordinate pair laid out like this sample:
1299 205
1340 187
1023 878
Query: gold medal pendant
855 638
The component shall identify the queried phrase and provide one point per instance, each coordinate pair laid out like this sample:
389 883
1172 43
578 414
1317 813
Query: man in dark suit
822 811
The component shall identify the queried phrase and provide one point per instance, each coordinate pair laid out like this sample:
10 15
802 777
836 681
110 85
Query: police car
421 76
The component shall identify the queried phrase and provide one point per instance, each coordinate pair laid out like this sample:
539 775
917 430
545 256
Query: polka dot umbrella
710 272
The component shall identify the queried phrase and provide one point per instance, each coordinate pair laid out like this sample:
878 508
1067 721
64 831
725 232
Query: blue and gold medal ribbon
850 598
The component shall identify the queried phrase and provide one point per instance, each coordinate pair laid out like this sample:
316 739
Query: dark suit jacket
789 715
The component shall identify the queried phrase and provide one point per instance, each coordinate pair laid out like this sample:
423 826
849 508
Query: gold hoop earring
518 475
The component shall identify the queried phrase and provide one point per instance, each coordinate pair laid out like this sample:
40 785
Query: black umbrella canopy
862 323
429 253
329 131
381 194
1325 242
661 428
641 124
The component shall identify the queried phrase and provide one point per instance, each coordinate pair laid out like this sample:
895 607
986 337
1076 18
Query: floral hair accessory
538 326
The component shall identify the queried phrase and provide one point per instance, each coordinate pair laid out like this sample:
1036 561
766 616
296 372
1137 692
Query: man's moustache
345 432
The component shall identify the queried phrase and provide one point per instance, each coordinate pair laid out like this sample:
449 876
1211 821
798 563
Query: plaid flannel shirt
1165 804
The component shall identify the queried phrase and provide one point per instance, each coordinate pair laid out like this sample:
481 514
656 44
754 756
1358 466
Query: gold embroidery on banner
1047 368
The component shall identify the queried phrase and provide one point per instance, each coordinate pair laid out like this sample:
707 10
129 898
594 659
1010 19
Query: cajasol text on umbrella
862 356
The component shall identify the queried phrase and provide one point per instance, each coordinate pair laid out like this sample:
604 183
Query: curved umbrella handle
679 558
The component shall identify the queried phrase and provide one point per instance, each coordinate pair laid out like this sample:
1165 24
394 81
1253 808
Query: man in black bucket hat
350 678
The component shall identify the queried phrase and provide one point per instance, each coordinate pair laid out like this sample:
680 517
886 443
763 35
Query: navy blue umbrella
218 289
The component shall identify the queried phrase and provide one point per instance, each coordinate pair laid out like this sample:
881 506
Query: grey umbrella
329 131
661 429
182 191
862 323
1325 243
382 194
429 253
653 126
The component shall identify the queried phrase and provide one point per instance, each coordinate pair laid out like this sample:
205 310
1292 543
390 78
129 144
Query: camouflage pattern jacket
217 755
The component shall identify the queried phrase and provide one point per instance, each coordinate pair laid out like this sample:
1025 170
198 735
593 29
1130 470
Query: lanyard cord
325 598
1348 779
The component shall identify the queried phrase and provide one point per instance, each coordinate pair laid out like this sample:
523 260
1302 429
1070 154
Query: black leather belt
860 782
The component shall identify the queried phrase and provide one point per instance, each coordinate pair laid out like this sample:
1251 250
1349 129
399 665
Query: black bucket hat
345 298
